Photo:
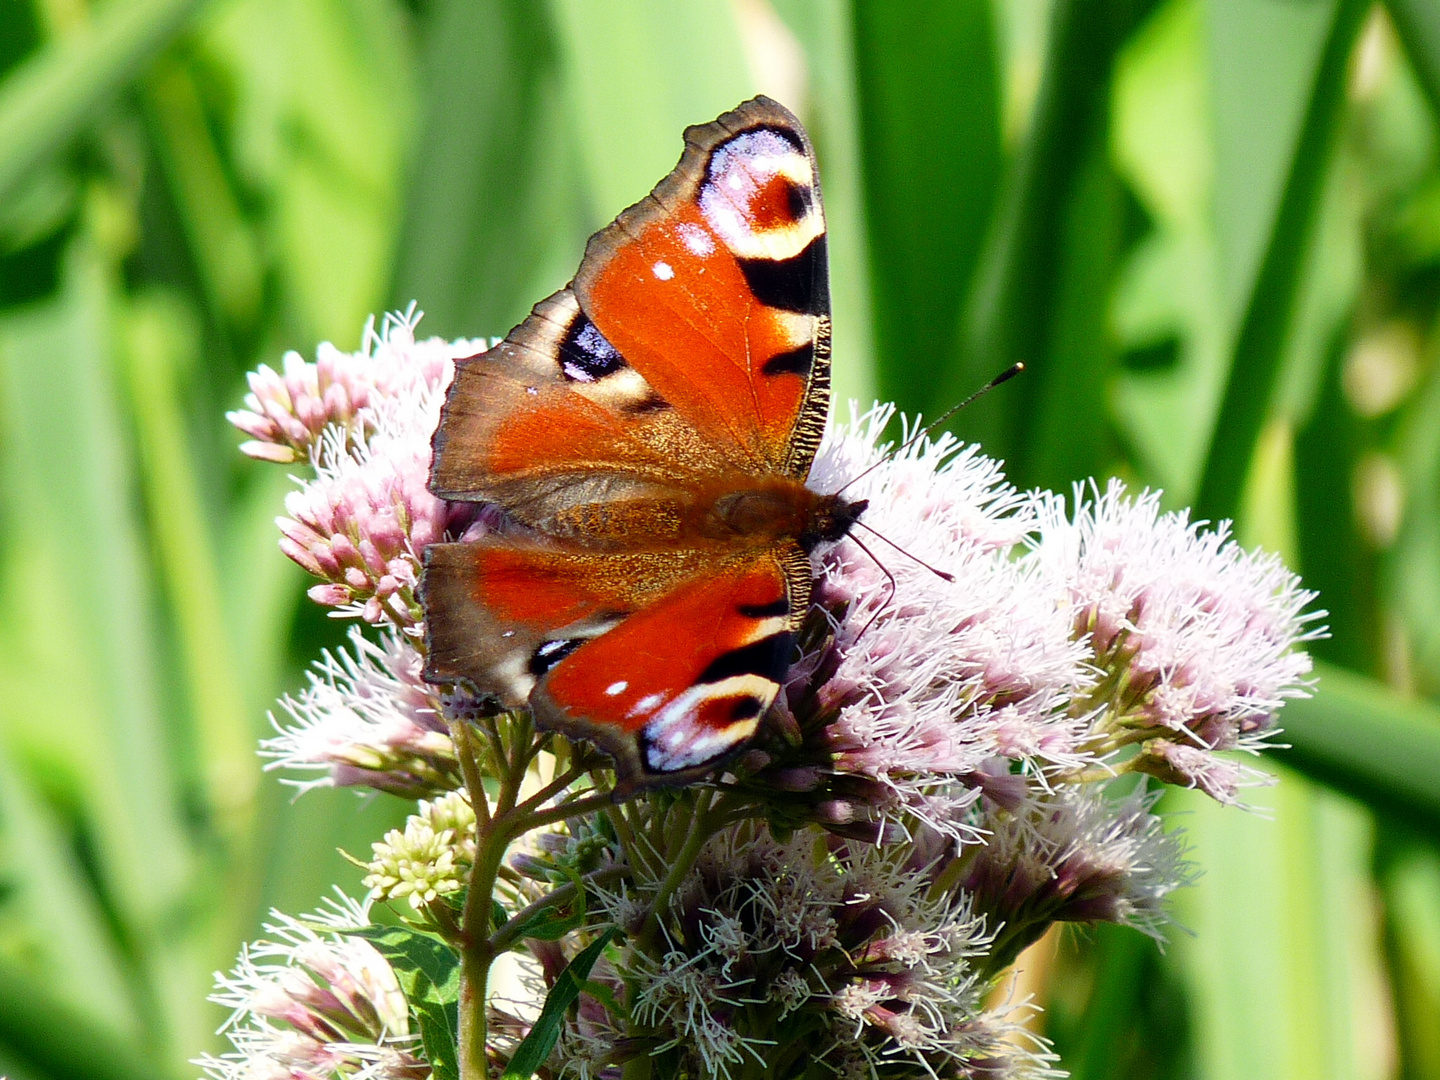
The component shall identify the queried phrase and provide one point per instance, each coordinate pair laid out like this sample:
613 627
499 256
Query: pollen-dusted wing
648 431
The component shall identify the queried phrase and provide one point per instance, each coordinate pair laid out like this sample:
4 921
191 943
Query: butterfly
647 432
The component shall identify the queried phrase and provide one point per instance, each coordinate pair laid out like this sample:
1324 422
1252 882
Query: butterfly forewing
717 287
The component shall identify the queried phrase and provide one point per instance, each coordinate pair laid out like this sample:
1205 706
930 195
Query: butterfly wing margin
668 668
716 287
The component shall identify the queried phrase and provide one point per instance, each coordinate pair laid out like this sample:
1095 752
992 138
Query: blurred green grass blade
69 478
1069 433
637 72
324 111
1259 350
221 242
1363 739
1011 301
160 338
1271 966
46 100
1333 557
493 221
52 925
68 473
1418 23
58 1042
1409 878
831 113
1410 571
1119 954
929 93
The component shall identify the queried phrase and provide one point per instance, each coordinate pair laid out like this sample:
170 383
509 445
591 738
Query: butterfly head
830 519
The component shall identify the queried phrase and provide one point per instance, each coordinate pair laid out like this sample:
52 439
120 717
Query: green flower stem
702 827
476 953
504 937
563 812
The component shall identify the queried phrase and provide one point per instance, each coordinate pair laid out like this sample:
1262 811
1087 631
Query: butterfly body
647 433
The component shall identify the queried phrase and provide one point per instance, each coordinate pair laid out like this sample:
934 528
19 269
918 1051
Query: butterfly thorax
728 513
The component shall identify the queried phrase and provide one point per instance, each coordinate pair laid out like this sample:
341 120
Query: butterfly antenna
1005 376
888 576
913 558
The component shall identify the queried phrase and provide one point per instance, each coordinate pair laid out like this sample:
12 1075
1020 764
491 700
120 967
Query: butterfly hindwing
668 667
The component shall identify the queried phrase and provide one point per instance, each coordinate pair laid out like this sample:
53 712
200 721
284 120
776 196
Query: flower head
368 719
286 412
1072 856
924 680
1196 638
430 859
832 946
314 1004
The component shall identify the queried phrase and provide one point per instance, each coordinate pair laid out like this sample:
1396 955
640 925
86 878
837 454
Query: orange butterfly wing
668 670
688 361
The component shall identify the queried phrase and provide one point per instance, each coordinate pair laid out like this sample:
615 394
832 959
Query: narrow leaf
930 114
1418 22
531 1053
1260 347
1360 737
46 100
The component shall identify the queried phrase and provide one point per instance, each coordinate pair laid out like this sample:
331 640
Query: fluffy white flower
934 677
368 719
314 1004
1197 638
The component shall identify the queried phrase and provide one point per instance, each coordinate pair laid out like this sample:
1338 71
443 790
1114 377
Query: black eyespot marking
551 653
797 201
799 284
585 355
745 708
765 611
795 362
783 133
769 658
652 403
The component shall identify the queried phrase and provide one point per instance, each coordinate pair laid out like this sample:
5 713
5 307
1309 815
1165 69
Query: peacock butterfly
647 433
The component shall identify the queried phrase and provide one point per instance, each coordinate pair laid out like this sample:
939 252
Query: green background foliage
1210 227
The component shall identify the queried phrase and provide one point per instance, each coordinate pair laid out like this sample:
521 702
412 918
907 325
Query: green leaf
160 337
1012 302
636 72
46 100
429 973
1418 22
49 1038
930 115
495 217
1275 950
413 954
531 1053
1259 350
543 923
1363 739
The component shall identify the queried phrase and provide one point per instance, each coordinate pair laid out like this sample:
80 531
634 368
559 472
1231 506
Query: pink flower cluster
363 421
1060 644
287 411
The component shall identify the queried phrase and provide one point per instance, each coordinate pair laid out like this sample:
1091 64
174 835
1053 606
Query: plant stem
700 831
492 837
